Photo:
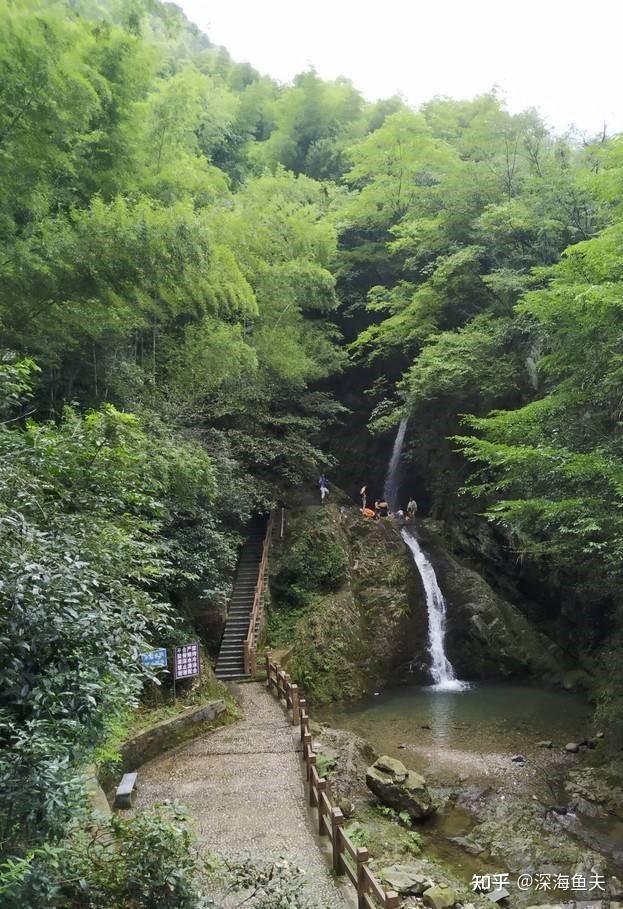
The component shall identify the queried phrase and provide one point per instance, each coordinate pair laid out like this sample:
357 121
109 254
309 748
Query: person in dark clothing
323 483
383 509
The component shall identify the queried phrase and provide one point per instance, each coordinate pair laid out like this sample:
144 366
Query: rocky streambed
510 798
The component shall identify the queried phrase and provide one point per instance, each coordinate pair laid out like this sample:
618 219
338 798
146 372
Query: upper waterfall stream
392 478
444 677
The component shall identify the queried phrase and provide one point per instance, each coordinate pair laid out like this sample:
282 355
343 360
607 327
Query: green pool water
465 741
486 717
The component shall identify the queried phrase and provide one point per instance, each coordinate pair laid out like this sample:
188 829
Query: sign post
187 663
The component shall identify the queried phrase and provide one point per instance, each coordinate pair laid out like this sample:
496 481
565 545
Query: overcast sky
560 56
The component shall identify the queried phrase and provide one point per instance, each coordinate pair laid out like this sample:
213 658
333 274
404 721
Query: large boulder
399 788
440 896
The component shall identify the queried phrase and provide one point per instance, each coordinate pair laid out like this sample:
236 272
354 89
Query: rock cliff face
368 627
488 636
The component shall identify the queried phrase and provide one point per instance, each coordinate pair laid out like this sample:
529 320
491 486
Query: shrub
145 862
314 564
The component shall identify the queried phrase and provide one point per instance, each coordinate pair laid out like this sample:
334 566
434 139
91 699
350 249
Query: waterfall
441 669
392 479
444 678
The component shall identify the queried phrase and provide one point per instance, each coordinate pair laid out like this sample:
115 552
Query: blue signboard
155 658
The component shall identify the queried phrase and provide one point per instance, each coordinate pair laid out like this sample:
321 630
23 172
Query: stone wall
167 734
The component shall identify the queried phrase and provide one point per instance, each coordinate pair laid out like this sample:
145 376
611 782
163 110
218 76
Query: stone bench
125 791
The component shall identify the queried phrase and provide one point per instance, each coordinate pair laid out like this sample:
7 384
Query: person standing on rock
324 488
411 509
362 493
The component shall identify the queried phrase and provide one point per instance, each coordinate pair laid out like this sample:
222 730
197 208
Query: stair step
230 662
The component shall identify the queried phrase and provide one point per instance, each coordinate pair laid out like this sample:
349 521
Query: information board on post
187 662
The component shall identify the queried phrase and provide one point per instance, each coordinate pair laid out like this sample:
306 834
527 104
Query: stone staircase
230 662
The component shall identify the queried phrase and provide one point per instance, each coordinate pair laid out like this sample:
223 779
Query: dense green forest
214 286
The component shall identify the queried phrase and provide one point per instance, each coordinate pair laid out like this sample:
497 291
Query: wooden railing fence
348 859
256 619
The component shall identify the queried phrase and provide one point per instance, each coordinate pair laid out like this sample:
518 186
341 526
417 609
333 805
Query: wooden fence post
362 859
392 899
296 715
287 689
337 822
311 768
307 749
321 787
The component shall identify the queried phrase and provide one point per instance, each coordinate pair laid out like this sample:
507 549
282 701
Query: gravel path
244 786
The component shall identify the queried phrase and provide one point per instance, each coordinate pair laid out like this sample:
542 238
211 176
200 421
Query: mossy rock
401 789
349 639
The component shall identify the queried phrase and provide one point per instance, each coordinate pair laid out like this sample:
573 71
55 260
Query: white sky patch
561 56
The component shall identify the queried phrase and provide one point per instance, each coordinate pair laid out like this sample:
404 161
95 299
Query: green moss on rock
353 602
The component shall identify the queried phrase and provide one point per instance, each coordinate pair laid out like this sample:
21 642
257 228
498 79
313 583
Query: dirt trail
244 787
